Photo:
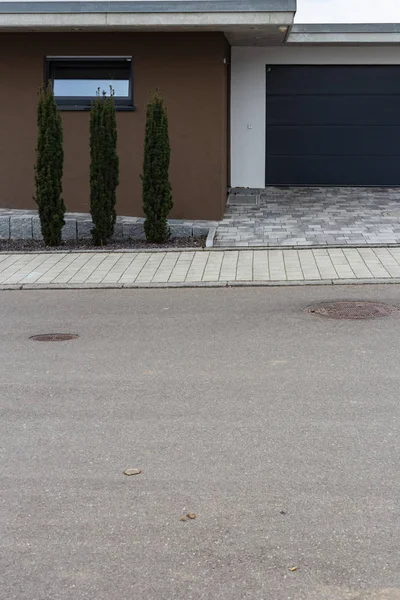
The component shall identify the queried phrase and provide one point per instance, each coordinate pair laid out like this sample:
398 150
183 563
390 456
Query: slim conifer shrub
49 168
104 167
156 186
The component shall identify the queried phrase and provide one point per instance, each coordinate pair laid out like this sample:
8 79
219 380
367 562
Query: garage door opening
333 125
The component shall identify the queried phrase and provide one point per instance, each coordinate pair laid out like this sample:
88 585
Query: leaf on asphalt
132 472
183 519
191 516
293 569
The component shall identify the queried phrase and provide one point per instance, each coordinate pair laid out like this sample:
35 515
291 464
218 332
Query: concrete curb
196 284
106 250
341 246
211 237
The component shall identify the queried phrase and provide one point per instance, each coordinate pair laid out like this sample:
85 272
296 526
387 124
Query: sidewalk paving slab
192 268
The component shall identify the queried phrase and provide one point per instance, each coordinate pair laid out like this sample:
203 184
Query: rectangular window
76 80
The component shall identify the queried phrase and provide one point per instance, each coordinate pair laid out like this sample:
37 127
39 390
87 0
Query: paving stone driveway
314 217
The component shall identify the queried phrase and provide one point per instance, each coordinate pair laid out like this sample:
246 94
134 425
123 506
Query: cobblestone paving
314 217
136 269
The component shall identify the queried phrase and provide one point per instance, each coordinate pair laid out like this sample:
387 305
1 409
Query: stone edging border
27 227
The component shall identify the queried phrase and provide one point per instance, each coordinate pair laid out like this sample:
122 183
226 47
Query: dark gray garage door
333 125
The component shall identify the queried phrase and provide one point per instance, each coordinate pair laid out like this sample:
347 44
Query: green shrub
156 187
104 167
49 168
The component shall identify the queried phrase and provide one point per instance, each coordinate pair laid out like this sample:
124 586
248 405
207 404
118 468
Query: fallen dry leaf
293 569
132 472
191 516
183 519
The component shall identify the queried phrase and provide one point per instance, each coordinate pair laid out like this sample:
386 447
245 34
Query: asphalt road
280 430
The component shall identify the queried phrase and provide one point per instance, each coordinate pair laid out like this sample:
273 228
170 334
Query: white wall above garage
248 96
348 11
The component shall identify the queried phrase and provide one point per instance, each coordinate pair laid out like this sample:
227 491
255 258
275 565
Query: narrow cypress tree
104 167
156 186
111 158
49 168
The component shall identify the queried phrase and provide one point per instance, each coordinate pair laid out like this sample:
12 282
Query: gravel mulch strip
78 245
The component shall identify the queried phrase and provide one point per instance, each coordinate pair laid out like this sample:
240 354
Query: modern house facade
253 100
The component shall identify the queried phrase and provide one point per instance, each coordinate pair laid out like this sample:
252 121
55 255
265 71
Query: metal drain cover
54 337
349 309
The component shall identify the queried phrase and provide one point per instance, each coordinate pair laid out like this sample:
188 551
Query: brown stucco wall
188 68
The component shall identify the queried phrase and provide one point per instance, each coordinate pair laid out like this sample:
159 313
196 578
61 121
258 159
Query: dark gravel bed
37 245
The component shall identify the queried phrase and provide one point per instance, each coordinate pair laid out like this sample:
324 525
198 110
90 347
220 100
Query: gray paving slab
4 227
84 228
21 227
69 231
36 229
134 230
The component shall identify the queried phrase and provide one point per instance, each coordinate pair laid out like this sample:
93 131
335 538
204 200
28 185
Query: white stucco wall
248 96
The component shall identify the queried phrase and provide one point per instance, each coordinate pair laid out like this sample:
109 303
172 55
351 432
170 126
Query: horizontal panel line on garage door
333 110
333 80
327 125
330 94
342 154
380 141
333 170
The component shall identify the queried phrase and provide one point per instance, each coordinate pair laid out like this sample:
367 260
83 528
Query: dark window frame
83 103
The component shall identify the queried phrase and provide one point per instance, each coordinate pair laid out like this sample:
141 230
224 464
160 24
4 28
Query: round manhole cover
54 337
349 309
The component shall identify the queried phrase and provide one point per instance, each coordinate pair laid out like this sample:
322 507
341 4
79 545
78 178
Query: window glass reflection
88 87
